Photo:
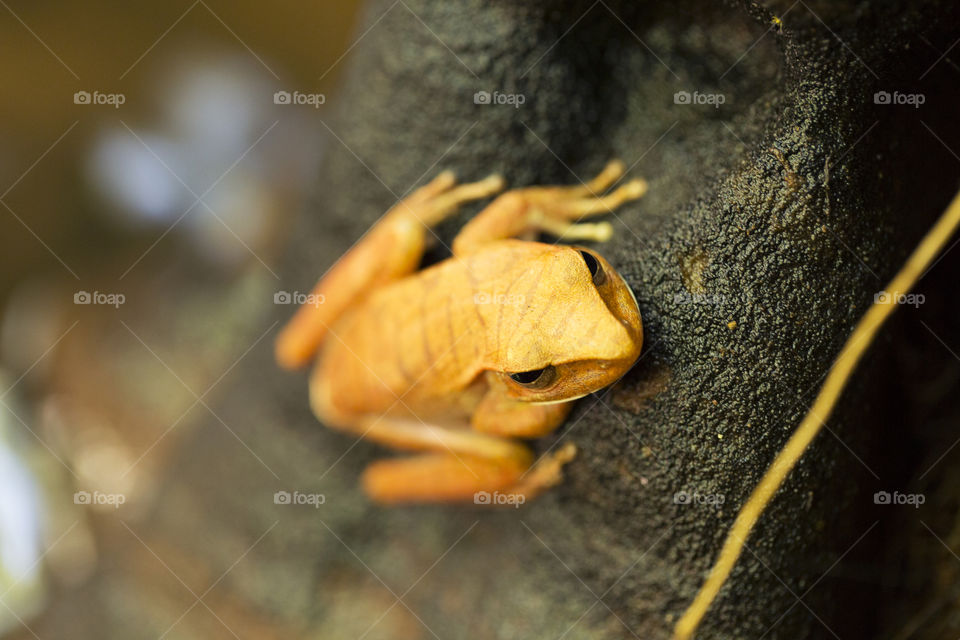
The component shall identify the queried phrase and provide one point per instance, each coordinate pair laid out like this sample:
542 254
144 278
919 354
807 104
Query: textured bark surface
770 224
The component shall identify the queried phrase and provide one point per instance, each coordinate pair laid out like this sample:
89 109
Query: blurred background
153 155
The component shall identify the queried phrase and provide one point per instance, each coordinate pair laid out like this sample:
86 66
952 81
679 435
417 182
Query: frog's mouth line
633 296
546 402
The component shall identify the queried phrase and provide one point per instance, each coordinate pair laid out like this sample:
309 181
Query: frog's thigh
461 462
391 250
498 415
412 434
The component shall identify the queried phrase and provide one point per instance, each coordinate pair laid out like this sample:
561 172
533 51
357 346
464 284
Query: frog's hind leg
553 210
457 464
445 477
438 477
460 464
391 250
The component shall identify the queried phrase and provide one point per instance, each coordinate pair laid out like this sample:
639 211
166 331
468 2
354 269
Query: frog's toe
545 473
584 231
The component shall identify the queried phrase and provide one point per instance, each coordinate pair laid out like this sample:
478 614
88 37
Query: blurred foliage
49 50
86 402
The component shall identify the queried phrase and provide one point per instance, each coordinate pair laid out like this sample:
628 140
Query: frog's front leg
391 250
497 414
500 415
553 210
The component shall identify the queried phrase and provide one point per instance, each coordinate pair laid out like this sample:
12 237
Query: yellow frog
459 360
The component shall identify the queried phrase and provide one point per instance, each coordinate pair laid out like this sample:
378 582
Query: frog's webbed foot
552 210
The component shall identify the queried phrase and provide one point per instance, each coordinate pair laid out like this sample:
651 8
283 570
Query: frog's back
417 343
406 346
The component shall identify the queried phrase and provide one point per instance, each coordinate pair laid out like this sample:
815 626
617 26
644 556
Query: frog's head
571 328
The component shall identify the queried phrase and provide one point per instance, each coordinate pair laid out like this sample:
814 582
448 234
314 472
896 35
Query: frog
463 362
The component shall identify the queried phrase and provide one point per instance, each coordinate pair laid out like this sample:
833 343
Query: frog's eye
536 379
596 271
